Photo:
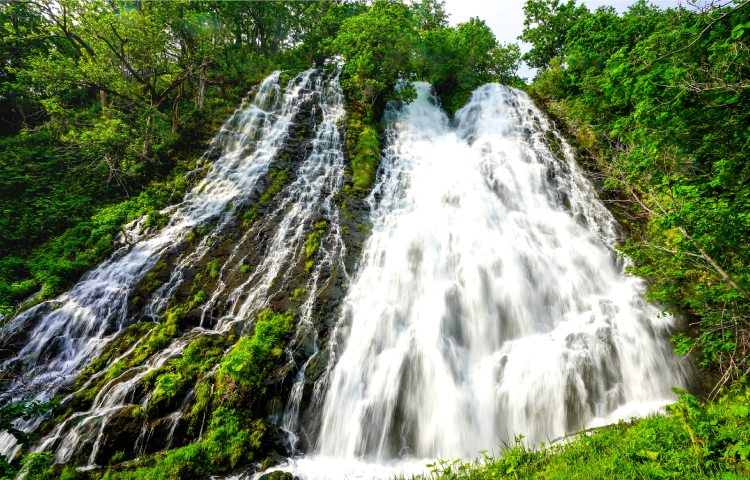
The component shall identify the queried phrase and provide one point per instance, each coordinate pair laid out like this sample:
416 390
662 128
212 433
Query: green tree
318 26
378 49
429 14
458 60
135 62
10 413
23 34
547 23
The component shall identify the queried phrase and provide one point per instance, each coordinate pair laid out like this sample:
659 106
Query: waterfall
62 336
489 300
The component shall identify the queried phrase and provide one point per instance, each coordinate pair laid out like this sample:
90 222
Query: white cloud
505 17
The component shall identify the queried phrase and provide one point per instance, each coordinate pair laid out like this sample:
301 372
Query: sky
505 17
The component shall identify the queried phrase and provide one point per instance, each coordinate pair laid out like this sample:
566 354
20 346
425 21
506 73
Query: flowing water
489 302
62 340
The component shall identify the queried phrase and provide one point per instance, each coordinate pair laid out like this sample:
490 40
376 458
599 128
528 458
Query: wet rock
317 366
164 433
275 409
17 331
277 475
120 434
240 243
273 458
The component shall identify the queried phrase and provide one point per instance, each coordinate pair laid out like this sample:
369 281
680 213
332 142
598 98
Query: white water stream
95 311
489 302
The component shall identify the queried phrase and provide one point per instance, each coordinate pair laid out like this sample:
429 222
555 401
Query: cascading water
489 302
64 339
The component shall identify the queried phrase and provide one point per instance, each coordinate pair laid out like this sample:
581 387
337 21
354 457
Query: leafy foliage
458 60
662 109
378 49
10 413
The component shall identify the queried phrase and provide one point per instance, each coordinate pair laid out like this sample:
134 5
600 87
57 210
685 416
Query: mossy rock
277 475
120 434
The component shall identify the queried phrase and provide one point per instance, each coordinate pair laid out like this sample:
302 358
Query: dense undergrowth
53 257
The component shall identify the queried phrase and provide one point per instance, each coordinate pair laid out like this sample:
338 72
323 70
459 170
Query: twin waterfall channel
473 295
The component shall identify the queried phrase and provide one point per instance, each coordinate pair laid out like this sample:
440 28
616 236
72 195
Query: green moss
363 146
210 272
284 79
245 268
151 282
117 457
366 158
247 364
159 336
225 413
200 408
71 473
249 218
294 297
280 179
173 381
313 240
154 219
48 425
117 348
212 269
301 133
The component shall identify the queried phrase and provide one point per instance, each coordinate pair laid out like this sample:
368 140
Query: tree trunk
202 88
148 140
103 98
724 275
176 110
276 37
19 107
